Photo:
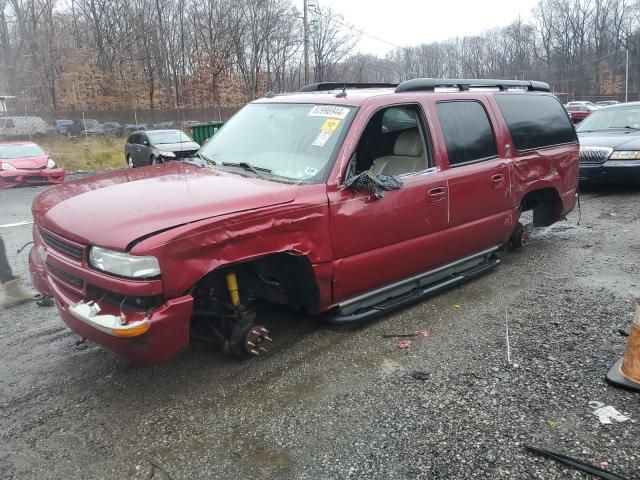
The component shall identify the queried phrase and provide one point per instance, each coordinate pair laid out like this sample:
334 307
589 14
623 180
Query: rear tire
130 162
517 239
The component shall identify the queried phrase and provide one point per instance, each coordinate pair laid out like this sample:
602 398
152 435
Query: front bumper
14 178
166 332
611 171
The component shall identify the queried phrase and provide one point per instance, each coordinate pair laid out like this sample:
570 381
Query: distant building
3 104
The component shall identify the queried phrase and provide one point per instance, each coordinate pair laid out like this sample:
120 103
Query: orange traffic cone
626 371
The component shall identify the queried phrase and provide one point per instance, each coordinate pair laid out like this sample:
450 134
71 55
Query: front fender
189 252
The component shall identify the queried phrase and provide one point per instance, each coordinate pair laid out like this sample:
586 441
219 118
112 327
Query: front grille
142 304
66 277
594 155
185 154
62 246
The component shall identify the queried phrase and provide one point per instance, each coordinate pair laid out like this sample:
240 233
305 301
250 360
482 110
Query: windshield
614 117
160 138
290 140
20 151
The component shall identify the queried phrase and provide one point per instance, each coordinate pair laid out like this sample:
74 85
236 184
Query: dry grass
90 154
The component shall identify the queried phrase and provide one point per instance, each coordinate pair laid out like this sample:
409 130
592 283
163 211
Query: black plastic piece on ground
577 464
615 378
44 300
420 375
411 297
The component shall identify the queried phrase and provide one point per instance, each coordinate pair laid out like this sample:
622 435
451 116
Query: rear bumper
168 331
611 171
14 178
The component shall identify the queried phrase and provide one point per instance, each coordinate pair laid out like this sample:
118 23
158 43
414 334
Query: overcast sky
411 22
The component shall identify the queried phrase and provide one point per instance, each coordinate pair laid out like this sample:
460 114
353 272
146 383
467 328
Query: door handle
437 194
497 180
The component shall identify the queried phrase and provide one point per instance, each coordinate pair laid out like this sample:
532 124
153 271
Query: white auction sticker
322 138
331 111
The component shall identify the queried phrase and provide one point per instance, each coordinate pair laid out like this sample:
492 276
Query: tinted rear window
535 121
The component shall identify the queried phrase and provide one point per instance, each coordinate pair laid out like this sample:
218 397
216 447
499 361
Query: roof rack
463 84
324 86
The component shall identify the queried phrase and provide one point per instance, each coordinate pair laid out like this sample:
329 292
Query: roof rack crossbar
464 84
326 86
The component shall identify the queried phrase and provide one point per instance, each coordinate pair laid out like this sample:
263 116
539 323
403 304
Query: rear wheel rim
130 161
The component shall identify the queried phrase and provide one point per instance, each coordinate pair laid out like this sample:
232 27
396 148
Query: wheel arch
283 278
546 203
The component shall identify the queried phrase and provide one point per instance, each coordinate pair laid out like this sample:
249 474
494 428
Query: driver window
393 142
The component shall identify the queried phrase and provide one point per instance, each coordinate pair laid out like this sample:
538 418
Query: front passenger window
393 142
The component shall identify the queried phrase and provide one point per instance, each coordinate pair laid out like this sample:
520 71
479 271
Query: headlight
123 264
7 167
51 163
166 154
625 155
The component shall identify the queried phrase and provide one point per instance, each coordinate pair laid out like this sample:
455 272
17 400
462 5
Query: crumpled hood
114 209
616 139
27 163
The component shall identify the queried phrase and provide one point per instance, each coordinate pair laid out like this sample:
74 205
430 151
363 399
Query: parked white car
18 127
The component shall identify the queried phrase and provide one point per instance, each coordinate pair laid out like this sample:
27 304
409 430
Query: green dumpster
200 132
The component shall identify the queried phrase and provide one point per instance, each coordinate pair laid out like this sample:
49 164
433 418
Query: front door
380 241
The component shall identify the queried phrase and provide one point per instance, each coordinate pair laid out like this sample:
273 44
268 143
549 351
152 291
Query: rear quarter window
535 121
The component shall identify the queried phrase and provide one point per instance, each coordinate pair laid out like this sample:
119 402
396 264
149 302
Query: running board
413 296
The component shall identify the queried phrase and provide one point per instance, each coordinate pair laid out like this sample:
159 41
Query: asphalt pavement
347 403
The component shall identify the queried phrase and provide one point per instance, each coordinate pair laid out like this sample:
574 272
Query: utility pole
305 19
626 78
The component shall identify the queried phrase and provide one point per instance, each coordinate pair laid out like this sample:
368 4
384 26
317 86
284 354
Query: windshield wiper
627 127
247 166
205 159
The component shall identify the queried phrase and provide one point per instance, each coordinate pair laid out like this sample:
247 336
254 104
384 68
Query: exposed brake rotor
255 338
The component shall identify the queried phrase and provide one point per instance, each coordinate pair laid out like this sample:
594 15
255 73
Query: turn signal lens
137 329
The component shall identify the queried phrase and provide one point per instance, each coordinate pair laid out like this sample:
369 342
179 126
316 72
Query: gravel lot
331 403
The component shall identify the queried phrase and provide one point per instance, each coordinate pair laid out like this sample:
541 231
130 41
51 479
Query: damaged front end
129 317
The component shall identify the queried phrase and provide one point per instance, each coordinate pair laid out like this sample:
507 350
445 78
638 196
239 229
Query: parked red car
342 201
26 163
578 111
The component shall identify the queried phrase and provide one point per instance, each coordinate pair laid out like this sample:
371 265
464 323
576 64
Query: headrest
408 144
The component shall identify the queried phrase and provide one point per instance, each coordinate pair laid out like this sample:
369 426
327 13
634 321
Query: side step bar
413 296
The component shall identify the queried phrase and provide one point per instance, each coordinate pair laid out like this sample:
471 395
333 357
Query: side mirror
373 184
145 143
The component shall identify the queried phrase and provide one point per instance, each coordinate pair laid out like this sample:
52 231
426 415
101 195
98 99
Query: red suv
342 200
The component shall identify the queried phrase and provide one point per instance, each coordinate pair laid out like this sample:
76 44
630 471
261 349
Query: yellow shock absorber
232 286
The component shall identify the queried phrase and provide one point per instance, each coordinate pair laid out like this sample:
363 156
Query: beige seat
408 156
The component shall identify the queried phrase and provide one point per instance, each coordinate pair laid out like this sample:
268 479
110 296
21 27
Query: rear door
478 177
135 149
128 147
